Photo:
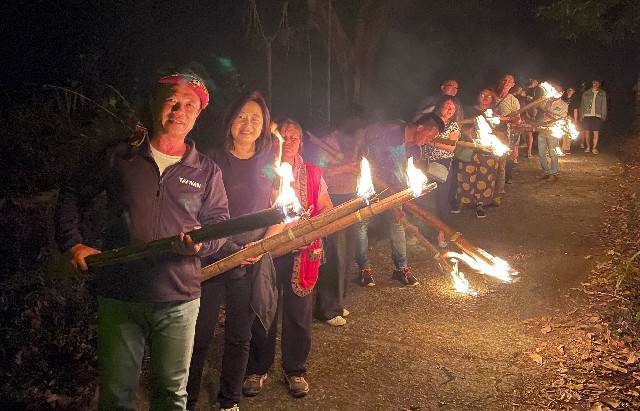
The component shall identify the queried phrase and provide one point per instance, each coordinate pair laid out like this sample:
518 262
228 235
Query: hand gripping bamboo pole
222 229
290 234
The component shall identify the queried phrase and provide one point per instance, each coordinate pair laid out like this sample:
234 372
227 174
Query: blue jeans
123 329
395 231
546 141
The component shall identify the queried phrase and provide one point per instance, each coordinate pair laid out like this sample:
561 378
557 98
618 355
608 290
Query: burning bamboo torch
549 93
324 224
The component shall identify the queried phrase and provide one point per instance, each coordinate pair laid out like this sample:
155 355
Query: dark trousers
453 183
237 334
333 281
441 194
296 328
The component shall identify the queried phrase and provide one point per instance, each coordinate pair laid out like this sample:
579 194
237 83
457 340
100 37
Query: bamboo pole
427 217
454 236
531 105
301 229
226 228
437 255
290 240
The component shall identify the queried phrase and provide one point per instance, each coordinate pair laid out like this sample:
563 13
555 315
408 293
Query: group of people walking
159 185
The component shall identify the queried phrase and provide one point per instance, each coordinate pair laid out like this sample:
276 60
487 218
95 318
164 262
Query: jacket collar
190 159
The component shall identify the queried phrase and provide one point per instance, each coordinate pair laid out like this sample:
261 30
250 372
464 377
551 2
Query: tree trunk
354 57
269 74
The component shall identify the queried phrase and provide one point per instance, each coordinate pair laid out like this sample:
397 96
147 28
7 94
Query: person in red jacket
158 185
296 275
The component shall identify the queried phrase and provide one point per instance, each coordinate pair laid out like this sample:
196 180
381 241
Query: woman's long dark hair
263 143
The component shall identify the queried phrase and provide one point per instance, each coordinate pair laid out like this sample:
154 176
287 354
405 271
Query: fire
499 268
287 200
488 115
365 183
571 128
562 128
416 178
556 130
487 138
550 91
460 283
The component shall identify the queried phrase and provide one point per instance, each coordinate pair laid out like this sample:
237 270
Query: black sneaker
366 278
405 276
480 213
456 209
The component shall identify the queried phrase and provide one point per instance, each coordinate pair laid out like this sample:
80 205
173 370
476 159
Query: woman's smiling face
247 125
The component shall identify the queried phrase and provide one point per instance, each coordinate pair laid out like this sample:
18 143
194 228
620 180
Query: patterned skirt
477 179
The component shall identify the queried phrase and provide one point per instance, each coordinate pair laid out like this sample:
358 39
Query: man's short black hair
429 120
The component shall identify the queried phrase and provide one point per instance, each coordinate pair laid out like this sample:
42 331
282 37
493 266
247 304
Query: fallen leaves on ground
594 350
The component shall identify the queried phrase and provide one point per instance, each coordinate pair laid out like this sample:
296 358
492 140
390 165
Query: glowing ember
460 283
416 178
365 184
487 138
499 268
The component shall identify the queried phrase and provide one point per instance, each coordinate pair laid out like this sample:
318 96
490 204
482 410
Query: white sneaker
336 321
345 312
234 408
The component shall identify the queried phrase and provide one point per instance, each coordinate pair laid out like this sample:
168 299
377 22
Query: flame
571 127
550 91
460 283
365 184
499 268
287 200
556 130
415 178
563 127
487 138
488 115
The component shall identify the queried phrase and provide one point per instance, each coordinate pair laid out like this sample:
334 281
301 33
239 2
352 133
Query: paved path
429 347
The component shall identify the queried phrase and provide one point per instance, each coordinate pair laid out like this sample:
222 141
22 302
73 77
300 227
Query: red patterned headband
196 84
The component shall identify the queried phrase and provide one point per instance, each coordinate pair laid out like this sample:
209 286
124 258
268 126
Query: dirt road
431 348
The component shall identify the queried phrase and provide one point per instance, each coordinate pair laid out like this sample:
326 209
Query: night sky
122 43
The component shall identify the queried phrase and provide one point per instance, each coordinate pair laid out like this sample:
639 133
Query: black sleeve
76 194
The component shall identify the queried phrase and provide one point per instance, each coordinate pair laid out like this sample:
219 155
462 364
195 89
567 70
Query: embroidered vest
307 262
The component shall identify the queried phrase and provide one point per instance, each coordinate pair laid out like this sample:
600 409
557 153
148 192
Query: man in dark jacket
157 186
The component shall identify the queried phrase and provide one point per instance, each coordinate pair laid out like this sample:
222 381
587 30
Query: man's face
450 88
595 85
176 108
292 137
507 82
424 134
